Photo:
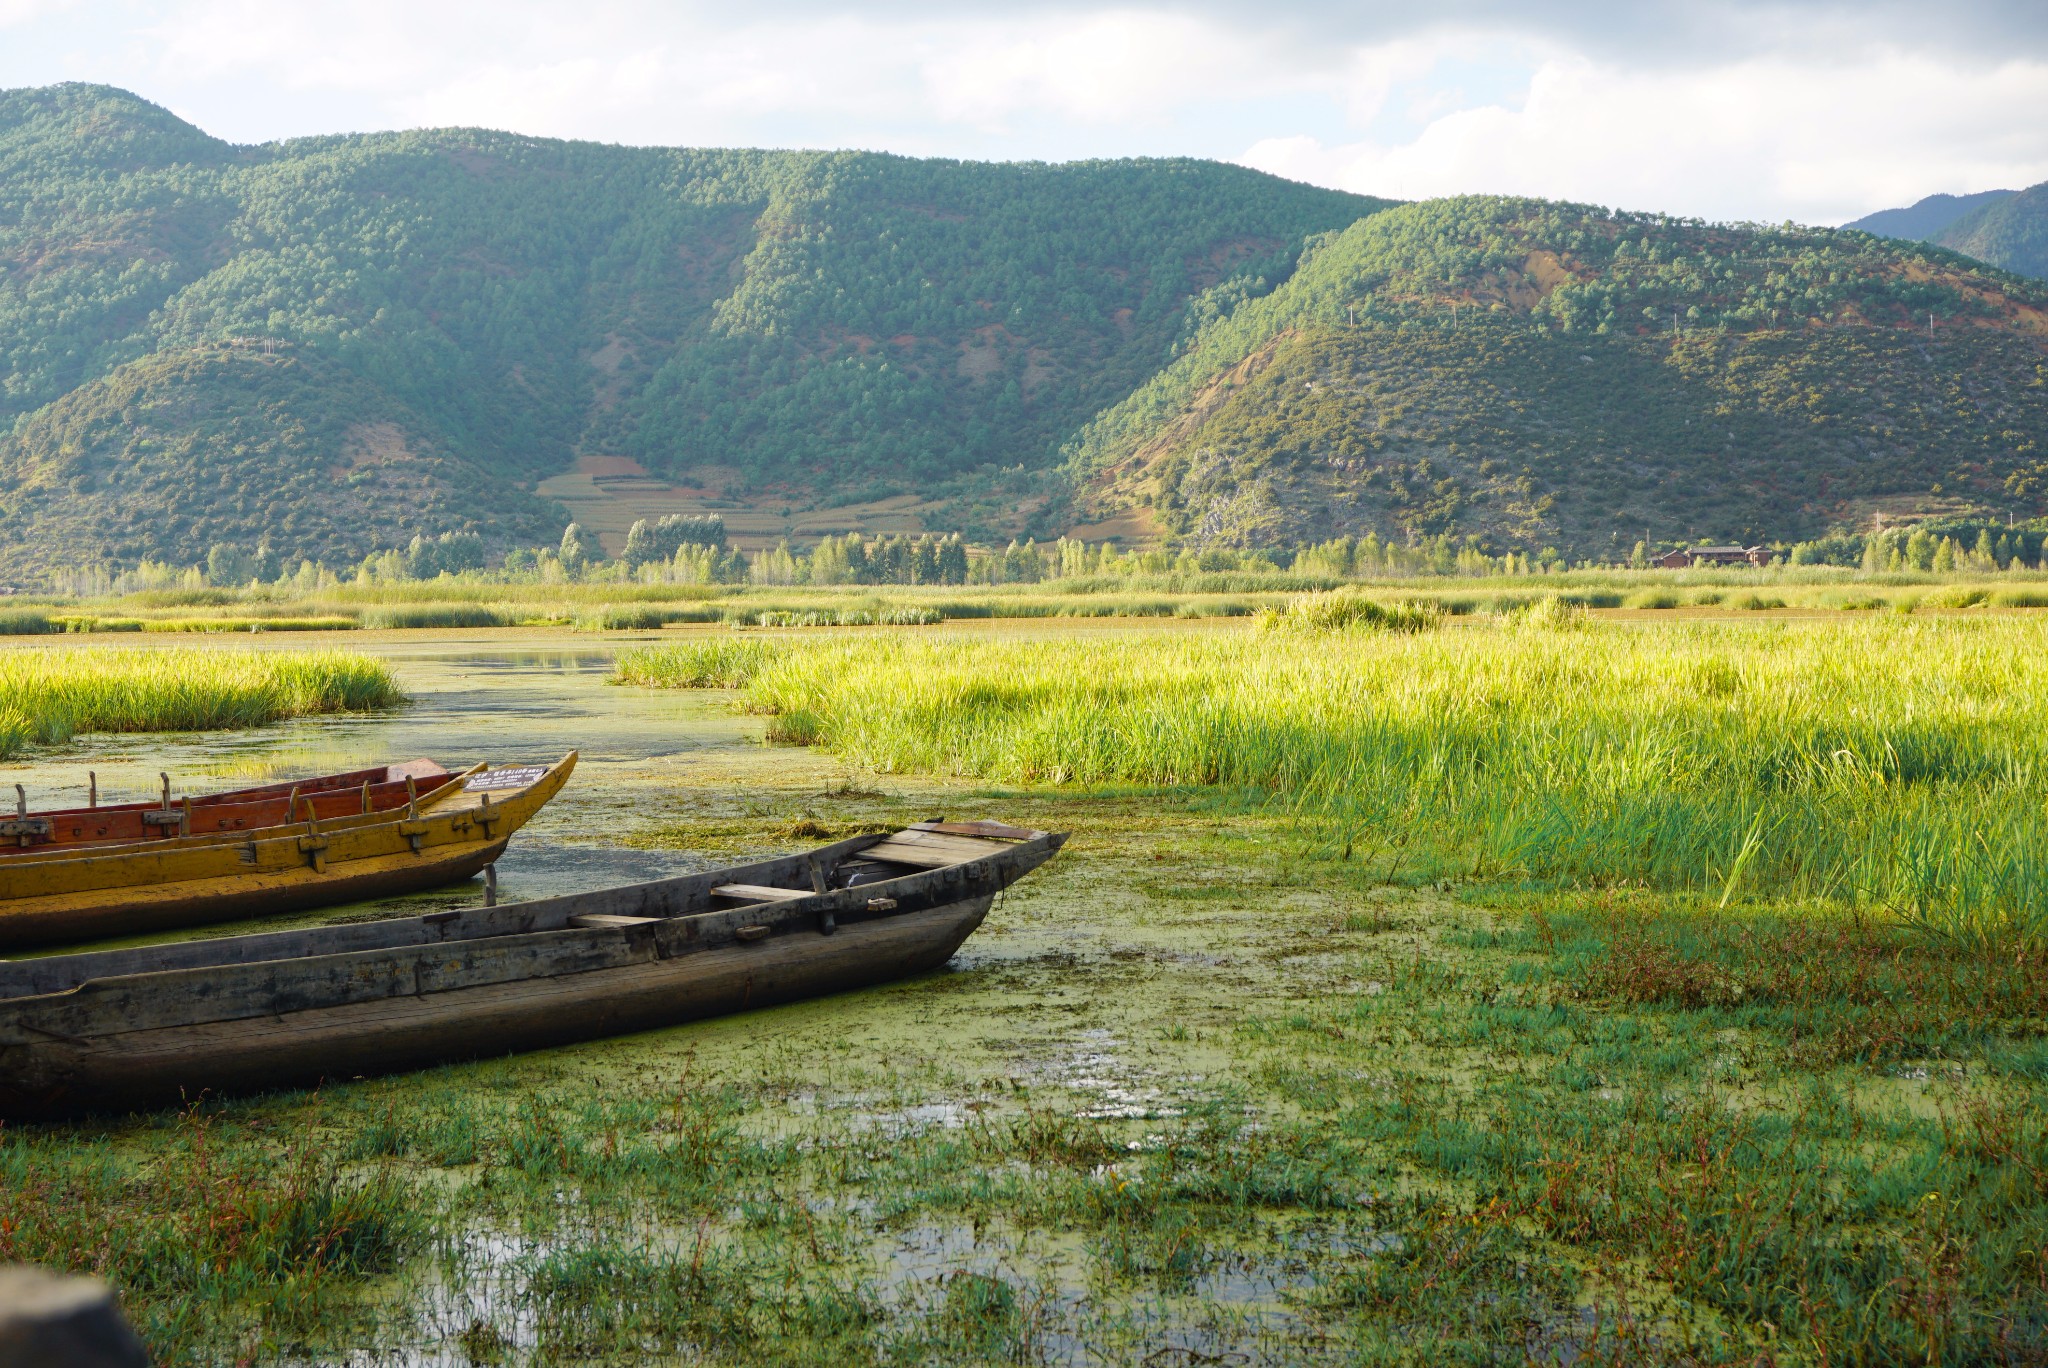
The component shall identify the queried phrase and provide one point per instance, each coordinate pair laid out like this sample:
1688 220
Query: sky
1761 110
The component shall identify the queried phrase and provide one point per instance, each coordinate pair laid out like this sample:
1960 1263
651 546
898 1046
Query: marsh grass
1609 1127
49 696
27 622
1679 1102
606 603
208 1234
444 615
722 662
1891 763
1351 610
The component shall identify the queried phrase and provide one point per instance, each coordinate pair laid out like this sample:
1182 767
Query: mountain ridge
1526 373
1926 218
2004 228
333 344
847 321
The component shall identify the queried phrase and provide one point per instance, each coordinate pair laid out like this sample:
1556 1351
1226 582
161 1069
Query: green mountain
2010 232
1924 219
1530 374
2007 228
334 343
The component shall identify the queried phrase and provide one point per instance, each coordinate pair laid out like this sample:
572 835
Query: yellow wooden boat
449 833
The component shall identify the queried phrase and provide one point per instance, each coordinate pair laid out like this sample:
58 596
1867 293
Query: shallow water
505 701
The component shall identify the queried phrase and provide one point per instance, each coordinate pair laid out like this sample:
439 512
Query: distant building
1687 557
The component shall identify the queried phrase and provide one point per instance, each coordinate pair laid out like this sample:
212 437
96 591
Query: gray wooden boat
118 1030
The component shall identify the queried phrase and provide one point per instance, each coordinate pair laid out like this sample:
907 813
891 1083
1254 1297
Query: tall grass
1886 762
1347 609
719 662
49 696
435 615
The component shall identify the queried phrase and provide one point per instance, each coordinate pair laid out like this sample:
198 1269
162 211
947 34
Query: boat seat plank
931 851
999 830
591 921
759 893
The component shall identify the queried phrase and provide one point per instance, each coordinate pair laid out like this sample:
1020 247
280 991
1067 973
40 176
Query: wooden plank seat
759 893
591 920
931 850
999 830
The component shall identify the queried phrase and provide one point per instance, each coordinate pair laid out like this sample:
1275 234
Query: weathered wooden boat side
450 834
323 796
435 789
128 1028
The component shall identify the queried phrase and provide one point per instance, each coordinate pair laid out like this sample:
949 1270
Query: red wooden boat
229 812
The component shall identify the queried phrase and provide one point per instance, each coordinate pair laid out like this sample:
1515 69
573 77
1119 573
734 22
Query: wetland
1212 1087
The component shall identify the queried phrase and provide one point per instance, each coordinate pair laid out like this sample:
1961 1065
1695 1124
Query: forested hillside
1535 374
1924 218
334 343
2007 228
2011 231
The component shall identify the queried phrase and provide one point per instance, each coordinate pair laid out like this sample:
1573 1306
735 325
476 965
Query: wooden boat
124 1029
56 894
229 812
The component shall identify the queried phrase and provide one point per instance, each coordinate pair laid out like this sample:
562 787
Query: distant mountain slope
2008 228
2011 232
1537 374
1923 220
494 305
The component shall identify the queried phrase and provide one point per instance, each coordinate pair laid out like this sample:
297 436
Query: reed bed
1883 762
49 696
710 663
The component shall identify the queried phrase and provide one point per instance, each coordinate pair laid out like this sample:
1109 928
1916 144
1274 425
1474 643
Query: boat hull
138 889
233 813
139 1069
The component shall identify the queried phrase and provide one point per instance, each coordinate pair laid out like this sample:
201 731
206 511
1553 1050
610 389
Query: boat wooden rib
127 1029
229 812
55 895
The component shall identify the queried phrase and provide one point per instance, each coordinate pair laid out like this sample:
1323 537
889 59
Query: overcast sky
1730 109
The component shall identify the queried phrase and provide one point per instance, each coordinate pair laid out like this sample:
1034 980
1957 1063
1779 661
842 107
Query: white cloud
1726 108
1760 138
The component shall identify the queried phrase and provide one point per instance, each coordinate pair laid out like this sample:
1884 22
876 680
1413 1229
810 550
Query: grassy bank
50 695
1885 763
474 600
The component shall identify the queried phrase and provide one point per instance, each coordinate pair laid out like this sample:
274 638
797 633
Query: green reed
1886 762
48 696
